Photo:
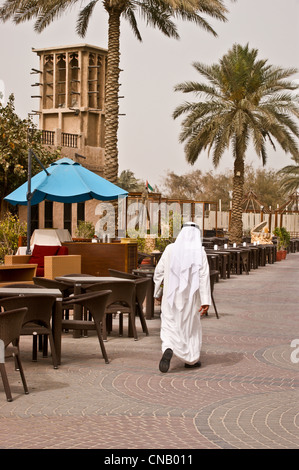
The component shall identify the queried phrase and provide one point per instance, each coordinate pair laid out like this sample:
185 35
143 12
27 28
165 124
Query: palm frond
159 15
45 12
289 184
209 92
129 14
212 73
196 19
289 169
84 17
9 8
23 8
222 141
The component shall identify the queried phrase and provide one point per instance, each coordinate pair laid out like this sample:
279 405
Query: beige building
69 98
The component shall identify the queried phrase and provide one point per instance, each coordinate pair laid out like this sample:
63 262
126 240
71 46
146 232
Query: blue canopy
68 182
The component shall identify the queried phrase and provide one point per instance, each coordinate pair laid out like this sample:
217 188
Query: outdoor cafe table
270 252
253 256
225 261
231 257
6 291
78 283
256 256
265 253
236 253
242 256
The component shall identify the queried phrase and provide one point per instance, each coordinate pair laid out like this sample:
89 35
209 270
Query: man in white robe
184 272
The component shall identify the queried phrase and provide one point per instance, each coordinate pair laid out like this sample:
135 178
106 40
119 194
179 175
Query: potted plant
85 231
283 241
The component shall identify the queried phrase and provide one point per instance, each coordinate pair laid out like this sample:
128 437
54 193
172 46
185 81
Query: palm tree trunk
112 107
112 87
236 227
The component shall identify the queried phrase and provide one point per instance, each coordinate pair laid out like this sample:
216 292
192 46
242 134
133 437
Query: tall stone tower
70 84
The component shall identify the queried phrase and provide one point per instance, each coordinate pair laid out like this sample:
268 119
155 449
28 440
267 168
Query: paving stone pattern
245 395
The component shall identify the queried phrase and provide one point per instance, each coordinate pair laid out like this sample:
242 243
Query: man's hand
203 310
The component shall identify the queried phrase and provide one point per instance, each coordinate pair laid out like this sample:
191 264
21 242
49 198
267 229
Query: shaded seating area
128 295
11 322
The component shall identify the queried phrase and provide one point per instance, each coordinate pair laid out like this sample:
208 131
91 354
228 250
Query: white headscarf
186 262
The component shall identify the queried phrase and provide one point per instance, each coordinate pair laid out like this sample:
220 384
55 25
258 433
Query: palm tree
290 174
157 13
243 99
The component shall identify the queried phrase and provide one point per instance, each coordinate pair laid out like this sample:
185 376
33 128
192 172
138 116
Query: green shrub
85 229
10 230
161 243
140 244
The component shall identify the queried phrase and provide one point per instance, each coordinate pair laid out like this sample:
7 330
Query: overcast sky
148 135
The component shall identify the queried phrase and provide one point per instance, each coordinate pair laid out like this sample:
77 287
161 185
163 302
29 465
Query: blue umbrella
68 182
63 181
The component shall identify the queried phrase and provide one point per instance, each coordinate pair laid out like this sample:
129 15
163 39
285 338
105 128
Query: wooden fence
152 213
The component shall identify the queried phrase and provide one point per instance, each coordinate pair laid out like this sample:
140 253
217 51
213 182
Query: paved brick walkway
245 395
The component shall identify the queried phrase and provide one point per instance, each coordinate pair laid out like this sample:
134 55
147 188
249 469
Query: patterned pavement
245 395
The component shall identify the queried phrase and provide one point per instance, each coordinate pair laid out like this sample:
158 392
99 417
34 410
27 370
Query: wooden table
225 261
242 259
254 255
6 291
261 255
17 273
270 253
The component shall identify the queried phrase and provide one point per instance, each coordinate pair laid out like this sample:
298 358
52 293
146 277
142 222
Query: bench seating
51 260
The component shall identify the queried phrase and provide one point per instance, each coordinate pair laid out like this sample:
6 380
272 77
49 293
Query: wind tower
70 84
